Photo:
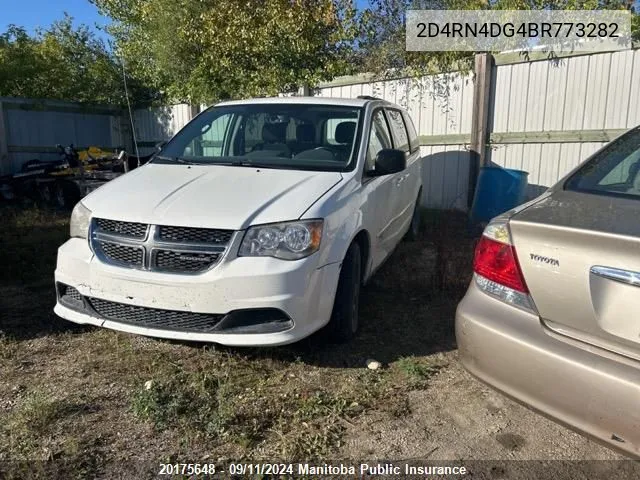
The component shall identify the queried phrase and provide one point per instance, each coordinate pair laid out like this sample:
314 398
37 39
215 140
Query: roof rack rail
368 97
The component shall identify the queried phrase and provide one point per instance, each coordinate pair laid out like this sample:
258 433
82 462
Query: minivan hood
213 196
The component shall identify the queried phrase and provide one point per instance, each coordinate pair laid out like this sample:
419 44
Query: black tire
344 318
416 222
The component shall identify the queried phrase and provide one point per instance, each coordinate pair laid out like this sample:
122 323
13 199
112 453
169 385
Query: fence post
194 110
480 120
304 91
5 167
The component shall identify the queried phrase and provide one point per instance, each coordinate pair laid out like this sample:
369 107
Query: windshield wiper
175 159
184 161
245 163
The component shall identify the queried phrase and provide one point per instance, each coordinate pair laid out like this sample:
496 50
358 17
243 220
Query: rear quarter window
398 130
414 143
615 170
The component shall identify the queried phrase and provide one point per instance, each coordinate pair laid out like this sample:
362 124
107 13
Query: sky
31 14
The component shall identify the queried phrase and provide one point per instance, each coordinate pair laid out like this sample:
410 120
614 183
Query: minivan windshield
269 135
615 170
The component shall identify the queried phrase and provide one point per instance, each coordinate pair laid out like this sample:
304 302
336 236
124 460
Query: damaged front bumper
242 301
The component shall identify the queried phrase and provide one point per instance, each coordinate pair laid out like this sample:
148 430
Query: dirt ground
89 403
458 417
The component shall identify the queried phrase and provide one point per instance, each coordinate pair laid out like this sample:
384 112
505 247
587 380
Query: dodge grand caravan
256 224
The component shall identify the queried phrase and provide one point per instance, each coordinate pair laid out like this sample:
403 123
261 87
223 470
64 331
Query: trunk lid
580 256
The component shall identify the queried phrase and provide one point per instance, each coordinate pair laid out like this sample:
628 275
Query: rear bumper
594 392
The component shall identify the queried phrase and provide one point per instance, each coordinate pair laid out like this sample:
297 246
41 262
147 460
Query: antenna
133 127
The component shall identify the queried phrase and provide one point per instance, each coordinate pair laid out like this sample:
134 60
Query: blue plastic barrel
498 190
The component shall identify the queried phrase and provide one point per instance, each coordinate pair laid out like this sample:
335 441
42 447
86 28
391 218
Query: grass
88 402
417 370
29 238
261 410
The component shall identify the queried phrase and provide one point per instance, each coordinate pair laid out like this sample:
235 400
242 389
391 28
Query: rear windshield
615 170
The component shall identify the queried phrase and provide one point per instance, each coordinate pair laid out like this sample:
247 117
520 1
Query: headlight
79 225
288 240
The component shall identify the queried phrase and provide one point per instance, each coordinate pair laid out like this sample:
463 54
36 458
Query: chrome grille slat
160 248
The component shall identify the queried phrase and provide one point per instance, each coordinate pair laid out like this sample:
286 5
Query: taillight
497 261
496 267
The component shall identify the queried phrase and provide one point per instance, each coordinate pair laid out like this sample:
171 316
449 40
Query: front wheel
344 318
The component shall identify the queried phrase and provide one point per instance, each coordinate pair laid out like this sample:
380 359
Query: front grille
167 260
154 317
127 229
159 248
124 254
194 235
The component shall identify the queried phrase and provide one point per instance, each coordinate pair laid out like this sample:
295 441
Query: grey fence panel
598 92
546 117
445 176
32 129
158 124
439 105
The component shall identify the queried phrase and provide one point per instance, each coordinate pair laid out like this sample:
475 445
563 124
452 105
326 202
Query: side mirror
389 161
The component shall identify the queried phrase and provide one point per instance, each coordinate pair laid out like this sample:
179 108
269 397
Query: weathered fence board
546 116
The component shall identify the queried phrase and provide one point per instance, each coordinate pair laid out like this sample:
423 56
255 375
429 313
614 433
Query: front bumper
585 388
301 289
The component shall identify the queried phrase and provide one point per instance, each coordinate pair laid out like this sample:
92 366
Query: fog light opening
265 320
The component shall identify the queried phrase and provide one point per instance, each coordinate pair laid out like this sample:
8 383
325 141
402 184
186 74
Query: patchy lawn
87 400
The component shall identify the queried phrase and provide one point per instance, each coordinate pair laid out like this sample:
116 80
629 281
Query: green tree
64 63
381 43
207 50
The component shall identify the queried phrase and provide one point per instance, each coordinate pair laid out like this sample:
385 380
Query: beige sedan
552 315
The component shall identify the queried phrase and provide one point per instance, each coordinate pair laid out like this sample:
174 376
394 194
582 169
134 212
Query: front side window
379 139
287 136
614 170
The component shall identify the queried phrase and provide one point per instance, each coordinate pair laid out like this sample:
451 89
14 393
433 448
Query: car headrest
274 132
305 133
345 132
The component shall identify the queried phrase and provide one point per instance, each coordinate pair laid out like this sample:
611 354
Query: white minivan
256 224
